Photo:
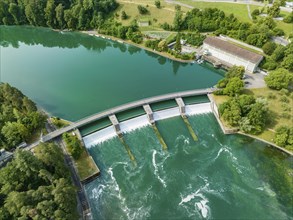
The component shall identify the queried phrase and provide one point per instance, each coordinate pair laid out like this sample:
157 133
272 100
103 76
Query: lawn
155 16
239 10
85 165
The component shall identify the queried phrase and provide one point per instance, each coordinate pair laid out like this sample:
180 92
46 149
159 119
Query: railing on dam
125 107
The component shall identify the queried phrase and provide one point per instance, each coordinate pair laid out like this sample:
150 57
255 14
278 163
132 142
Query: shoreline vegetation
119 40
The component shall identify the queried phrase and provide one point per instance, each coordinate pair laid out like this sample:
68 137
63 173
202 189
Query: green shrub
284 98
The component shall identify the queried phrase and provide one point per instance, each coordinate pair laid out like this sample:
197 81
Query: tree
231 112
233 87
50 13
258 115
288 62
14 133
274 11
142 10
269 47
279 53
235 71
279 79
14 11
124 15
177 46
73 145
255 13
59 11
158 4
163 46
31 191
177 22
282 136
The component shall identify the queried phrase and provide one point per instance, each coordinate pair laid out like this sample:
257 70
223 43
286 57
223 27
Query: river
72 75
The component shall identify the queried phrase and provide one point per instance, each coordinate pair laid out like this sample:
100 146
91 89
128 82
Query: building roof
233 49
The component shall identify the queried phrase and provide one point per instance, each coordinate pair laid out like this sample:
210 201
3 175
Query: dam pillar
116 124
182 109
181 105
150 114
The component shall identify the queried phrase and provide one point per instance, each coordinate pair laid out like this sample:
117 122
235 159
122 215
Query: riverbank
227 130
163 54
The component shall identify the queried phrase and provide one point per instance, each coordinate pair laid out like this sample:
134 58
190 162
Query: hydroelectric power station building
229 54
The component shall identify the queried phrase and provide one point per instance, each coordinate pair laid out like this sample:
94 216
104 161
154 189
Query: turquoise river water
72 75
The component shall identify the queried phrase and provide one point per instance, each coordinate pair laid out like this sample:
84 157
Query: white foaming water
134 123
142 121
196 109
167 113
96 192
156 169
234 159
120 197
201 205
99 136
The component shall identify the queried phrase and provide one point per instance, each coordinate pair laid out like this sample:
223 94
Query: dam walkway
121 108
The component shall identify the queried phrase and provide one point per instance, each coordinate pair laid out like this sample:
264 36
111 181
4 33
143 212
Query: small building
143 23
231 54
5 157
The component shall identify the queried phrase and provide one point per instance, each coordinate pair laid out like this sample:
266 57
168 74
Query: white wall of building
230 58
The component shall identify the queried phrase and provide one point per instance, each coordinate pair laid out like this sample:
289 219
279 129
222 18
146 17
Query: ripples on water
217 177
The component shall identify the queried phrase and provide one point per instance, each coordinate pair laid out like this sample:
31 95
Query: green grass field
239 10
85 166
155 16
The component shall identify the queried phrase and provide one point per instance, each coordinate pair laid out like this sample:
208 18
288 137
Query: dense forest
61 14
19 117
37 186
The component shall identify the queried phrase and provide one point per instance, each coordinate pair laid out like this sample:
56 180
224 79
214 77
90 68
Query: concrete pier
181 105
116 124
182 109
150 114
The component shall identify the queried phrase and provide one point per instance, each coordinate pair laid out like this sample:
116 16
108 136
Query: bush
284 92
286 107
284 98
289 18
269 47
278 79
73 145
158 4
124 15
142 10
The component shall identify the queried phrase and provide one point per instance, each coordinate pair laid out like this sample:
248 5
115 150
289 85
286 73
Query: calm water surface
73 75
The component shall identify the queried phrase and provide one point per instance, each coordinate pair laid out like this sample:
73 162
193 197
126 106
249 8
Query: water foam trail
235 163
156 169
201 205
97 192
124 207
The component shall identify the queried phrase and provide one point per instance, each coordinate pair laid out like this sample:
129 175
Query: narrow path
84 208
248 9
